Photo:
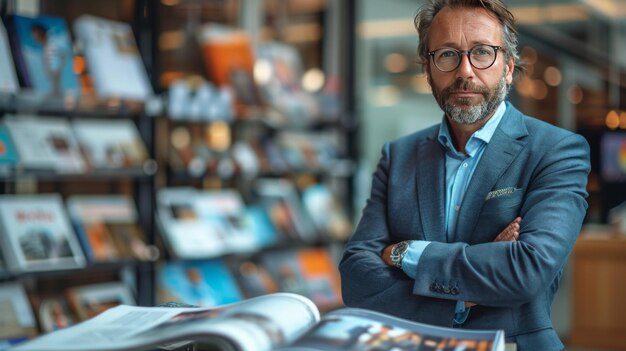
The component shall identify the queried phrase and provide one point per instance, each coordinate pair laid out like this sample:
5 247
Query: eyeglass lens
480 56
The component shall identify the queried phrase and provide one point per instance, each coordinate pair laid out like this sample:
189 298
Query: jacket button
446 289
454 291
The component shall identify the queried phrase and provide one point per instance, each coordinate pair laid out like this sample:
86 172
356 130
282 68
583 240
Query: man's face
468 95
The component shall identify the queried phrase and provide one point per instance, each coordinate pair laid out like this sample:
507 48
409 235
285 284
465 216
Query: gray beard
463 112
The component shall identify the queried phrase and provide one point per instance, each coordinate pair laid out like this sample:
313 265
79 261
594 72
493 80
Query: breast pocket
495 215
504 203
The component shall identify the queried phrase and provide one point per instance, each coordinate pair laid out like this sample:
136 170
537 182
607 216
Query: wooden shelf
599 290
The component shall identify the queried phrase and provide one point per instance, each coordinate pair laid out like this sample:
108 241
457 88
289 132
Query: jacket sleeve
367 282
512 273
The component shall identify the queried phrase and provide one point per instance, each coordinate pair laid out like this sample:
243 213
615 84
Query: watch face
400 247
397 253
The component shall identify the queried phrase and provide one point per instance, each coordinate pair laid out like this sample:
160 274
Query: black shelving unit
156 173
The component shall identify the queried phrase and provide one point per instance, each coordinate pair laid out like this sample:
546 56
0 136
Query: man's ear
426 71
510 68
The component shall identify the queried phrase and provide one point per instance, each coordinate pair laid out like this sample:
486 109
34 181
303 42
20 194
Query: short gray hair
425 15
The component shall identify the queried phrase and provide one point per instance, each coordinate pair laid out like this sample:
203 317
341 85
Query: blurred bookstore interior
208 151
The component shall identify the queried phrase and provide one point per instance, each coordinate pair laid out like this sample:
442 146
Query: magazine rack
142 182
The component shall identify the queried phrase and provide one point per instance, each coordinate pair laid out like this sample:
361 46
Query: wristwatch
398 251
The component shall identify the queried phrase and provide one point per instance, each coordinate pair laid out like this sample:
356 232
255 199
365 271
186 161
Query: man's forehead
464 26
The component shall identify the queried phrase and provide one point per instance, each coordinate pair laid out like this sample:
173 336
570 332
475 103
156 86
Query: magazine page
357 329
258 324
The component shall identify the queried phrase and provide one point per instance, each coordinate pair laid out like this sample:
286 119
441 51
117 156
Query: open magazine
279 321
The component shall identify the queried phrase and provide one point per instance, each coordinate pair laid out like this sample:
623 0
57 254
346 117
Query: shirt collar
484 133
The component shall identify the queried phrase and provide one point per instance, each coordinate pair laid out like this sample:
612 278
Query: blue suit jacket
529 169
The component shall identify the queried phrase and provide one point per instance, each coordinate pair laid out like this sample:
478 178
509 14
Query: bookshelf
315 149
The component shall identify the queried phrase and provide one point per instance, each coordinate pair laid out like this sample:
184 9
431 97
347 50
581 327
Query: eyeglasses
481 56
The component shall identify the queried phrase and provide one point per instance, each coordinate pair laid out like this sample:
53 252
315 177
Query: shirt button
457 207
465 165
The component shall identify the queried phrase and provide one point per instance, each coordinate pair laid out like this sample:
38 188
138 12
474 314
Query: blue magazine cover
43 53
204 283
8 155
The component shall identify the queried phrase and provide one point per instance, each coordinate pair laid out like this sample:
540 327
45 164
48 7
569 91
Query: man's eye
481 52
447 54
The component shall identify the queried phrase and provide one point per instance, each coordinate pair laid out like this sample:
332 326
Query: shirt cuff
461 312
412 257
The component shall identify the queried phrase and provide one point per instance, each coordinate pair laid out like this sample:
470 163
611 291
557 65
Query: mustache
465 85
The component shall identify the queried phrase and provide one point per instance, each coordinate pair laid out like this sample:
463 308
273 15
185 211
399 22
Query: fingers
386 254
468 304
511 232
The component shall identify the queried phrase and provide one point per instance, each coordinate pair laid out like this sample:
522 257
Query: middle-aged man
426 247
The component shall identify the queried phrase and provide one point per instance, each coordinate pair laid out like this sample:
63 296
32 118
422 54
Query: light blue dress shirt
459 170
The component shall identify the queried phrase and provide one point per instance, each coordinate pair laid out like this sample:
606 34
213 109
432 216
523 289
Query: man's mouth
465 93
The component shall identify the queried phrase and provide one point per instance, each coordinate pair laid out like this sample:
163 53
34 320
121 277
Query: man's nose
465 69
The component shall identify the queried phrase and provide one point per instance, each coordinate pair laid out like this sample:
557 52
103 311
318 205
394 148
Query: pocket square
501 192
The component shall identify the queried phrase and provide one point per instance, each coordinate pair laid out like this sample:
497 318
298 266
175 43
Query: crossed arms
499 273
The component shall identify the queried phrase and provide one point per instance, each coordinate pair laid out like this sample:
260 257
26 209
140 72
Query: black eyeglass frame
496 48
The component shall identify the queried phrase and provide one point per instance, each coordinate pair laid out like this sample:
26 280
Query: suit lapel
503 148
430 185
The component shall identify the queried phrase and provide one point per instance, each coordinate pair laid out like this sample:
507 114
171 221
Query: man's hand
511 232
386 255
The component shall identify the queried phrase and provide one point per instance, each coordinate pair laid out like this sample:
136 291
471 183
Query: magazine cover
43 53
17 321
110 144
327 212
282 201
186 235
227 209
229 60
37 234
8 78
254 279
113 59
88 301
199 283
107 227
53 313
309 272
261 226
309 150
45 143
283 86
8 154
